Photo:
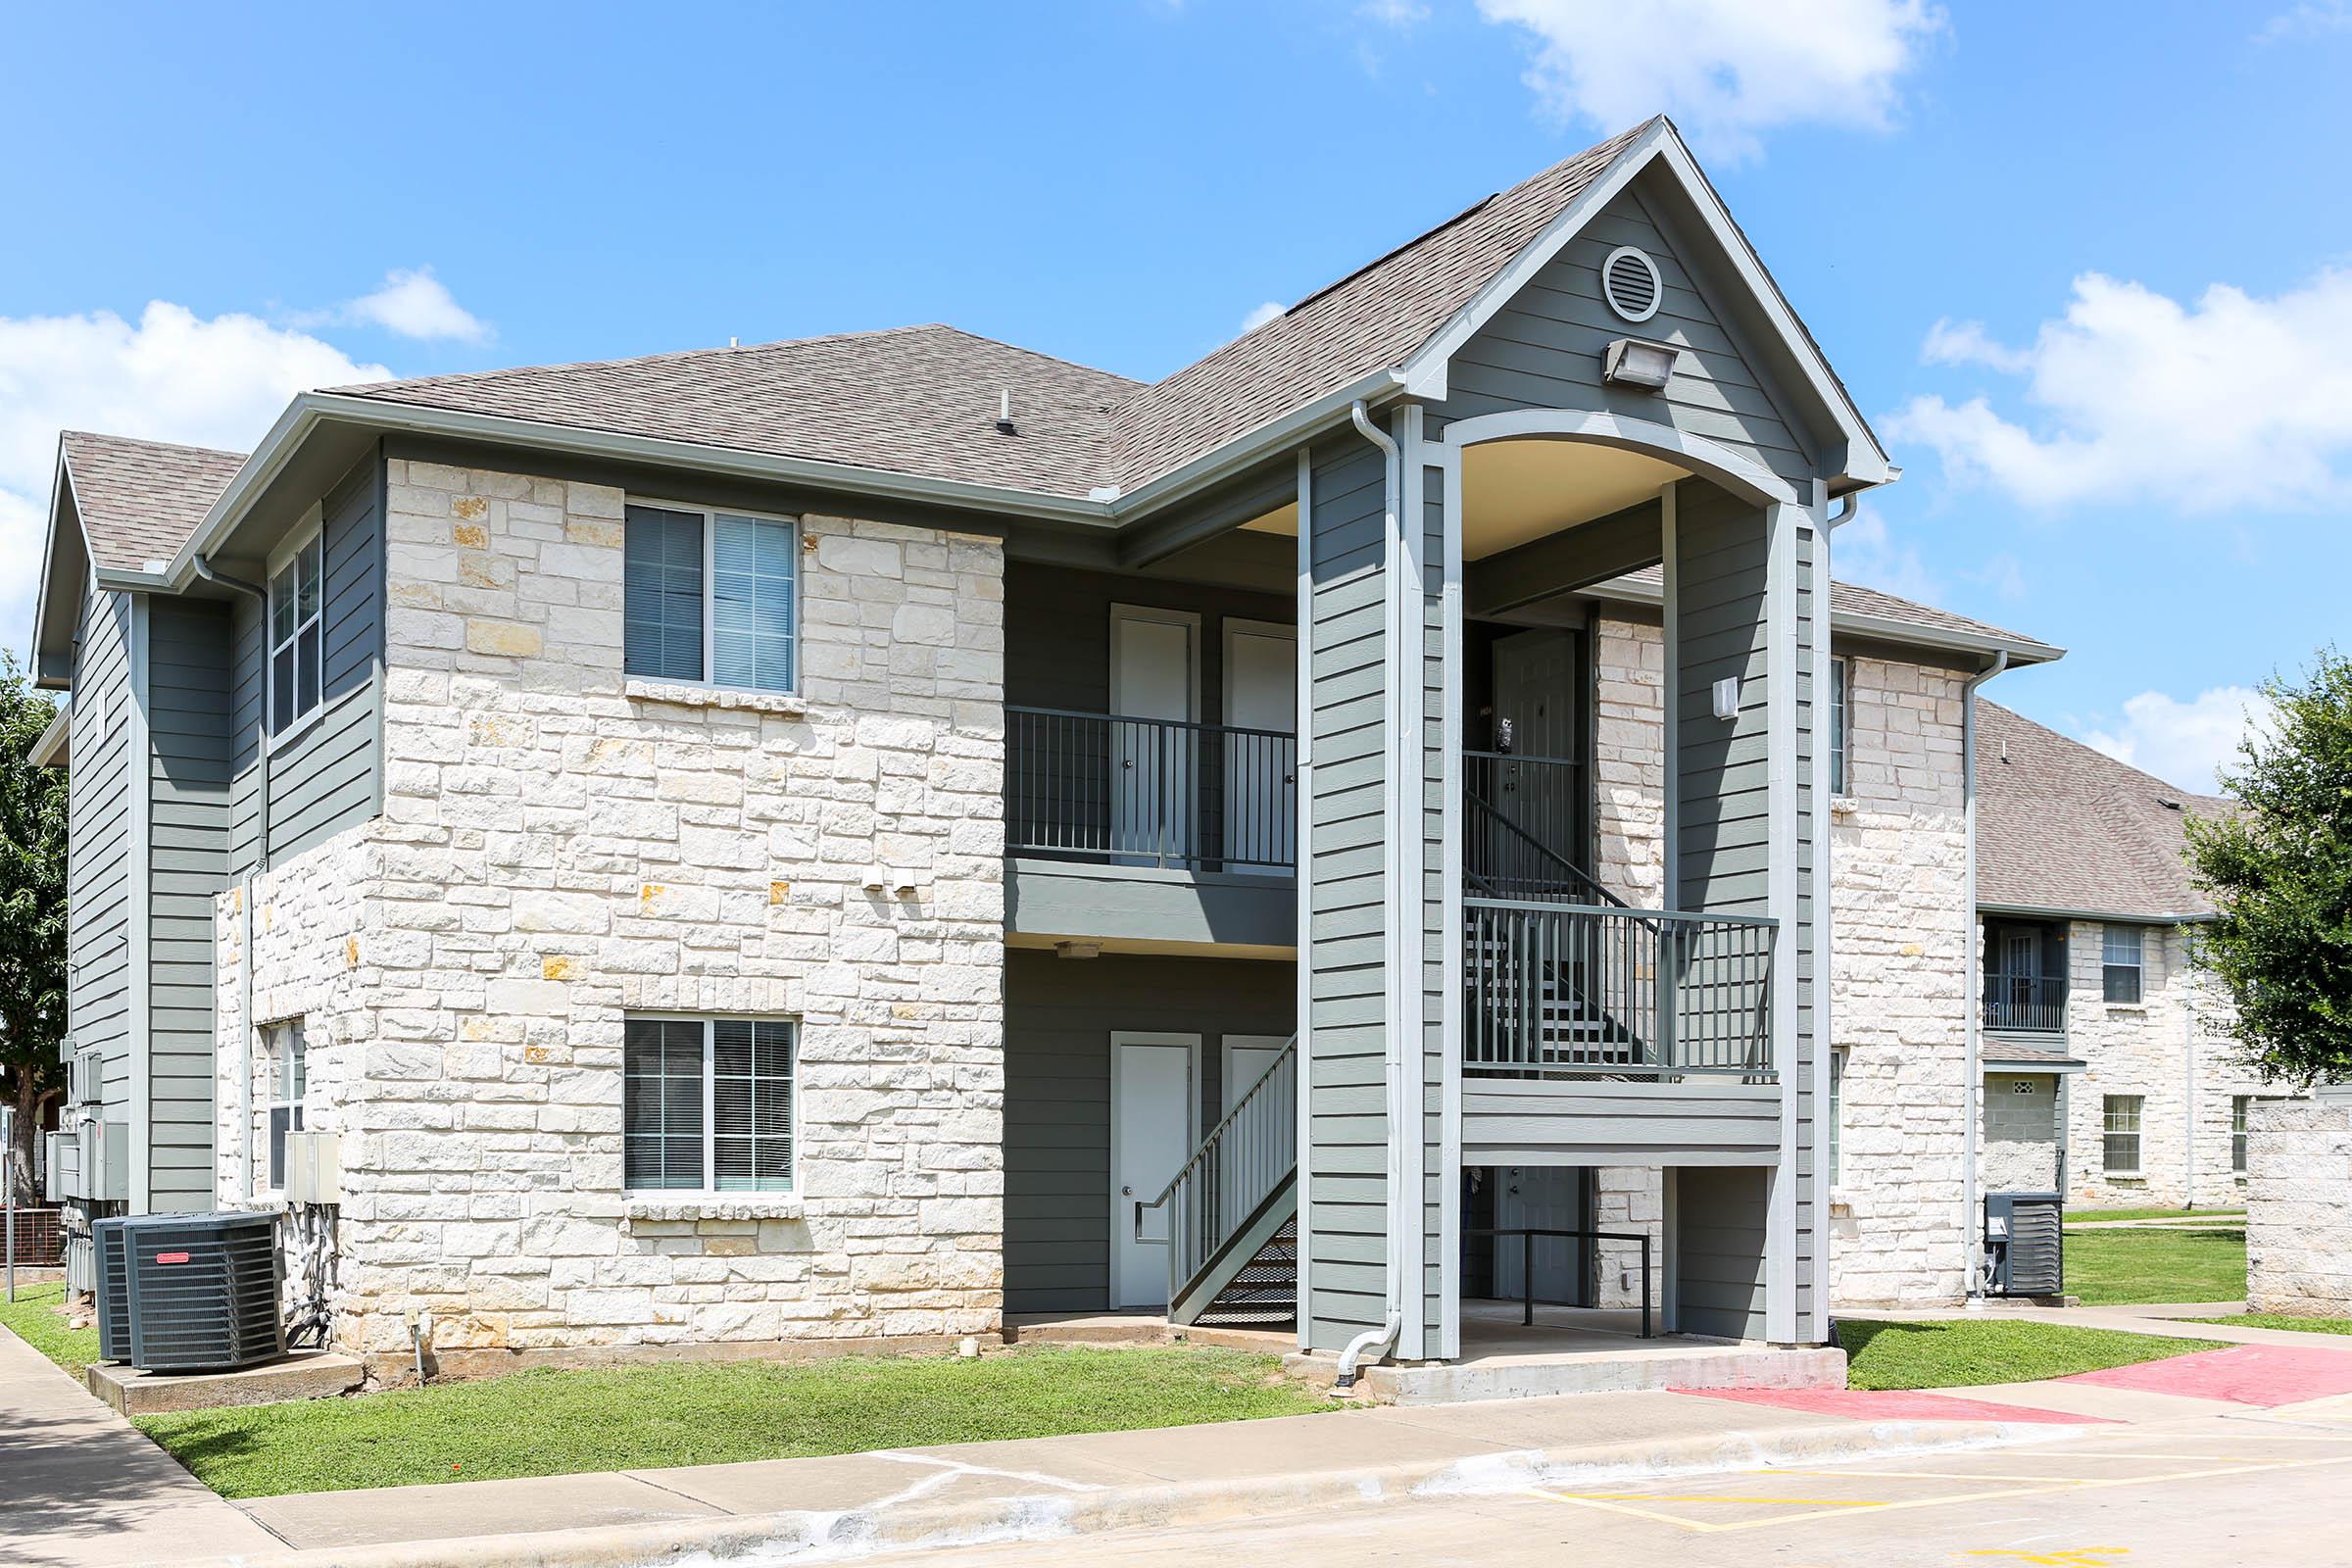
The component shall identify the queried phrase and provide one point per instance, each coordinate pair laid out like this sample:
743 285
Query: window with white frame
1841 685
296 639
2239 1105
289 1073
2119 1123
710 598
2119 964
708 1105
1837 1057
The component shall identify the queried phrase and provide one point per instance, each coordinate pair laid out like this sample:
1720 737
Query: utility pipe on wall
1383 1340
1972 1097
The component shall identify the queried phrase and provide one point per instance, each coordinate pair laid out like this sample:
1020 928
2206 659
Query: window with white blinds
710 597
708 1105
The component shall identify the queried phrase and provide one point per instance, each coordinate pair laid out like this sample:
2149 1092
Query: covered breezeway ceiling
1515 491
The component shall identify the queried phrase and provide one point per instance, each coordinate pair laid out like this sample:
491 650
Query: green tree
33 918
2280 871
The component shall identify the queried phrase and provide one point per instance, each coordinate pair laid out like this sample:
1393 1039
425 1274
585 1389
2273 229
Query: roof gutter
2044 911
1265 442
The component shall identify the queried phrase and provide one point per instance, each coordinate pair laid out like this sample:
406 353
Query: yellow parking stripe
1843 1507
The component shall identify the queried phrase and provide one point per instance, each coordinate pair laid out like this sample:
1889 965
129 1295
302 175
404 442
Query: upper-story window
1841 685
712 597
2119 964
296 638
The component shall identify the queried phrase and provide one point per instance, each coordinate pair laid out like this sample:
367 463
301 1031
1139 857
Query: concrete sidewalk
1047 1487
80 1487
2165 1320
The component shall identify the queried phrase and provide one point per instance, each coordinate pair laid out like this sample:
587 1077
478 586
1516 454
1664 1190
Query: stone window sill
714 1205
1843 806
685 696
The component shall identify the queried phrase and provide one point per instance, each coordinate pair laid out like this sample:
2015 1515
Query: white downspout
2188 1072
1384 1339
1974 1090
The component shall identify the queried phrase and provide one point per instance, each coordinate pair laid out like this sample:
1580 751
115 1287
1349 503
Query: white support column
1781 523
1409 878
1816 1327
1449 1140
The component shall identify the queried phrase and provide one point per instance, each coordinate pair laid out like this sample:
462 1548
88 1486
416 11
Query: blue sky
2088 266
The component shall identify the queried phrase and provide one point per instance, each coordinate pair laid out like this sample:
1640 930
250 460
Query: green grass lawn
2155 1213
2122 1268
558 1423
1957 1354
36 1320
2281 1320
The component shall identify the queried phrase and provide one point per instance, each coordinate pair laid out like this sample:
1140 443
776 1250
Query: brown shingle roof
2061 826
1372 319
141 500
914 400
922 400
1849 599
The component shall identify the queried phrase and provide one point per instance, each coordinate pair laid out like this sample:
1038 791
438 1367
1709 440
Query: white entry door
1154 674
1153 1119
1262 692
1538 1197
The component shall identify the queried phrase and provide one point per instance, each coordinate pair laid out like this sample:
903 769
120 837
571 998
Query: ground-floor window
708 1105
1836 1111
288 1073
2121 1123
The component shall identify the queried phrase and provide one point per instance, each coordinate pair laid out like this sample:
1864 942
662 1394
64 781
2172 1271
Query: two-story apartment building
2109 1073
852 838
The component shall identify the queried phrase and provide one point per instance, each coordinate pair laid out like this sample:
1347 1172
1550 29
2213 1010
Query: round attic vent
1630 281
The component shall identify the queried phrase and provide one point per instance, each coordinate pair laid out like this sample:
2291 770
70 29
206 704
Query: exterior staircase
1232 1211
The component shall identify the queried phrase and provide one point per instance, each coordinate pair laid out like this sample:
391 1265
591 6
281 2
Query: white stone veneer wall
561 848
2299 1210
1898 975
2146 1048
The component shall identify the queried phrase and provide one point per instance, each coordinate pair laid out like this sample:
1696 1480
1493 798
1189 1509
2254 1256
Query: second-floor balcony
1115 790
2024 1003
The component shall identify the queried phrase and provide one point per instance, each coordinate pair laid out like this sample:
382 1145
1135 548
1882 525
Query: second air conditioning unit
203 1292
2024 1244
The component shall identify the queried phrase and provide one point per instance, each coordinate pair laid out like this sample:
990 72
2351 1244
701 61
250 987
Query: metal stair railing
1241 1161
1506 860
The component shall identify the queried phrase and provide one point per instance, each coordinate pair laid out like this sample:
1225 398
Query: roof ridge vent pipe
1973 1091
1383 1340
1005 424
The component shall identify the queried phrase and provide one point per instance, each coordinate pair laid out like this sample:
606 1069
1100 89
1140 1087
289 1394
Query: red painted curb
1861 1404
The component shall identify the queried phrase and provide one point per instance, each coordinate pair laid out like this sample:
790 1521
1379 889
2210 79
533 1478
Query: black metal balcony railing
1158 792
1592 990
1522 829
2024 1003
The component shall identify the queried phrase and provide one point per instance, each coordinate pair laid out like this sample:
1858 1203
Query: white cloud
1865 551
2182 742
1268 311
2308 20
2233 400
172 375
412 302
1726 69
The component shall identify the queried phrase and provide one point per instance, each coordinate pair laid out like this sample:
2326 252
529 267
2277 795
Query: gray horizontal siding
1059 1014
1723 772
1544 351
100 854
1598 1122
1132 903
1719 1251
1058 632
328 777
1346 640
188 719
